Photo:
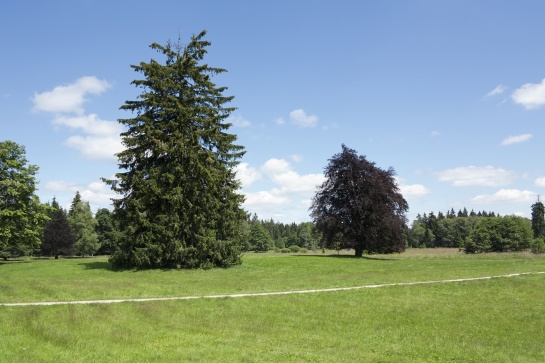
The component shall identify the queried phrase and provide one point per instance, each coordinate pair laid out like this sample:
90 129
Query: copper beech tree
359 206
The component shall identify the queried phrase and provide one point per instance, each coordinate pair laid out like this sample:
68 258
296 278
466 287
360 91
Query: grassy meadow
496 320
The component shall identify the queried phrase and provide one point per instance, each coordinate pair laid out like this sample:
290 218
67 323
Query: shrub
303 250
538 245
285 250
295 249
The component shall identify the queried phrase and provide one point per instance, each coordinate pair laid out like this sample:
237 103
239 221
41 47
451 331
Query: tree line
178 203
479 231
265 235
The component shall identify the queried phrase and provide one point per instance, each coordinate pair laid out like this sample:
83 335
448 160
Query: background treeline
265 235
474 232
77 231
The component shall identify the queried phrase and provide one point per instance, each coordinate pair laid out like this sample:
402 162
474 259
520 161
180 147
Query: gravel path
85 302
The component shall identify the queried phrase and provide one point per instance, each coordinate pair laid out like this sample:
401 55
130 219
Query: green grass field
496 320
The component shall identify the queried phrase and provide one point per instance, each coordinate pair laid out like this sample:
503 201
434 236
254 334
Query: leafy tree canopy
178 204
360 205
22 216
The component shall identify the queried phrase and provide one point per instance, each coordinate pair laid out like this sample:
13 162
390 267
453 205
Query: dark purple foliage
360 206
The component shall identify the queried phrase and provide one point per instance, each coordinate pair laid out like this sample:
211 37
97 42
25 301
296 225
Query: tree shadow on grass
352 257
98 265
12 261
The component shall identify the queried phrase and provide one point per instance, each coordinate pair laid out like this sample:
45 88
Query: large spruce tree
359 205
179 205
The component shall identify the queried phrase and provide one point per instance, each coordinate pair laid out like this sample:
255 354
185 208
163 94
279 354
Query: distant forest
471 231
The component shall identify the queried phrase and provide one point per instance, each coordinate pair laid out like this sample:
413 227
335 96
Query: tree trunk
359 251
56 257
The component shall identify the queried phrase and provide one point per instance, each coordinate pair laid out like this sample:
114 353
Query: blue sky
451 94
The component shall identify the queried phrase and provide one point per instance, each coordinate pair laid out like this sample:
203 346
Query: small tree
58 237
106 231
83 225
360 205
538 219
260 239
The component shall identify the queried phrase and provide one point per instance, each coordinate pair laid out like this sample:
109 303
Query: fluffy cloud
69 98
540 182
413 191
286 195
530 95
476 176
497 91
247 174
97 193
289 181
516 139
239 121
506 196
99 139
300 118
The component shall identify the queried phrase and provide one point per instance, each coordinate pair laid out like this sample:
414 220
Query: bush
285 250
303 250
276 249
295 249
538 245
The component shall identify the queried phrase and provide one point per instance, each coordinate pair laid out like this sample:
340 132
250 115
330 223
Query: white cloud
300 118
90 124
435 133
540 182
516 139
476 176
95 147
412 191
69 98
297 158
530 95
247 174
264 199
239 121
506 196
280 121
100 139
497 91
97 193
289 181
286 194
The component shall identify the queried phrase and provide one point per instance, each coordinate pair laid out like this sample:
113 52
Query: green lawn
497 320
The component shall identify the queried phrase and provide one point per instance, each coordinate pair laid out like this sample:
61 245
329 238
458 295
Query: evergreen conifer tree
179 205
538 219
58 237
83 226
